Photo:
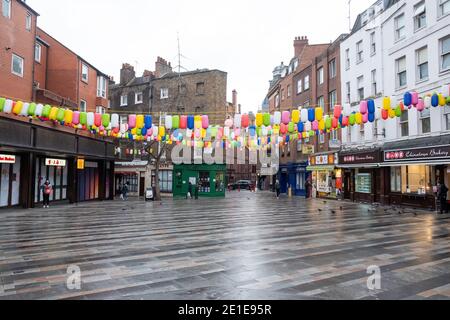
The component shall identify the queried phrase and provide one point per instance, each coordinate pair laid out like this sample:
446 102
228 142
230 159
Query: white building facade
398 46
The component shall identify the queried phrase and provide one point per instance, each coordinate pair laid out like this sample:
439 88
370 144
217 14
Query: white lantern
427 101
39 108
168 122
115 120
237 120
90 119
155 131
308 126
8 106
304 115
277 118
24 111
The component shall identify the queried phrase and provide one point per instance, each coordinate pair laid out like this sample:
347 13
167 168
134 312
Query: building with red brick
64 78
17 39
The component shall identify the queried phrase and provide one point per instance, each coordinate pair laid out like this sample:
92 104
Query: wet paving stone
246 246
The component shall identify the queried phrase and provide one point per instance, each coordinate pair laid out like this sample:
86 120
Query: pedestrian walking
47 190
308 189
120 191
442 196
125 190
278 189
189 194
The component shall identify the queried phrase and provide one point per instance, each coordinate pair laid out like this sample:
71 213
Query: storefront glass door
10 183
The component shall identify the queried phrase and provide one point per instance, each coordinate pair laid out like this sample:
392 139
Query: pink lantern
345 121
420 105
76 118
205 122
286 117
365 118
363 107
315 125
335 123
132 121
229 123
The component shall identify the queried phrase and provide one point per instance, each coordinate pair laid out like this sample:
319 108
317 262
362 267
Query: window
420 16
425 121
347 59
282 95
164 93
84 72
101 87
447 117
289 91
332 69
307 83
404 124
400 29
348 93
332 98
373 44
200 89
139 98
123 100
360 88
363 183
83 106
28 21
165 181
414 179
444 7
37 52
401 72
320 76
422 64
359 52
182 89
299 86
6 8
321 138
100 110
277 101
445 53
321 102
374 82
17 65
334 136
396 179
362 131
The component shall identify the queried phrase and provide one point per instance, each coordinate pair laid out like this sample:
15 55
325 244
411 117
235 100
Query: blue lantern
148 122
311 114
191 122
407 99
301 127
371 117
371 106
435 100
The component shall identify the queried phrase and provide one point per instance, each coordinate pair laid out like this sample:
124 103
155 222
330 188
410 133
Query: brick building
18 31
64 78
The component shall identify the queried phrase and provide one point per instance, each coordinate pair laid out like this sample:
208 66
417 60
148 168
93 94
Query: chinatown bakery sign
360 158
432 153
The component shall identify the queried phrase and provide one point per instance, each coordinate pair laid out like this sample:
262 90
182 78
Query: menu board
364 183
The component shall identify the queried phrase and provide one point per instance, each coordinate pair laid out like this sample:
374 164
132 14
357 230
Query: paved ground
244 247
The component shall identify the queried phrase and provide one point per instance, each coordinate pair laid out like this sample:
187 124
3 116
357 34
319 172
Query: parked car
242 185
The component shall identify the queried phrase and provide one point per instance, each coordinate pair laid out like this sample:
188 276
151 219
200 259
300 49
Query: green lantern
46 111
2 104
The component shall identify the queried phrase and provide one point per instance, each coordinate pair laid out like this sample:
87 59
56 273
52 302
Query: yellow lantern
392 113
322 124
442 100
386 103
296 116
162 131
53 113
319 113
259 119
358 118
140 121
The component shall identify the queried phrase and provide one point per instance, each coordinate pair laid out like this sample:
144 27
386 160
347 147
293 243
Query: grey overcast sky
246 38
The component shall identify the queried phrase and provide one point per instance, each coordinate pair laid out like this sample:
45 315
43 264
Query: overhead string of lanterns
244 130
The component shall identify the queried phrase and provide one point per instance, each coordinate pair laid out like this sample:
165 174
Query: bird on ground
333 212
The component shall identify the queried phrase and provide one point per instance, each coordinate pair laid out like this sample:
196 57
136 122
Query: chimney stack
162 67
127 73
234 101
299 44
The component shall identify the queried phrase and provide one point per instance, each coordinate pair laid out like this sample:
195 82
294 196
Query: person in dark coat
308 189
189 194
278 189
442 196
125 190
47 190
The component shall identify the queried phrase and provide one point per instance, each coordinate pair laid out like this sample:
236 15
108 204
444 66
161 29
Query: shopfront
32 152
326 177
361 175
415 172
210 180
294 176
9 180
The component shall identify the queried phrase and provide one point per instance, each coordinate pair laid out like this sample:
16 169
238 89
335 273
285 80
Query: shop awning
320 168
351 166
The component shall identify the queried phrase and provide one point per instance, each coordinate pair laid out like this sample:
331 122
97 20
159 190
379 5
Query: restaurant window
332 69
445 53
400 29
363 183
422 64
300 181
165 181
320 76
333 99
417 179
359 52
425 121
299 86
360 81
396 179
205 182
404 124
401 72
307 83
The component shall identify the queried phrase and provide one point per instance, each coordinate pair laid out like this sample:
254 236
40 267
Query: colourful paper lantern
2 104
205 122
39 109
9 106
191 122
384 114
183 122
319 113
420 105
17 108
363 107
414 98
83 118
311 115
304 115
352 119
245 121
53 113
68 117
358 118
259 119
442 100
168 122
24 111
97 119
296 116
175 122
427 102
371 117
434 100
337 112
76 118
277 118
371 106
386 103
131 121
266 119
106 120
32 109
407 99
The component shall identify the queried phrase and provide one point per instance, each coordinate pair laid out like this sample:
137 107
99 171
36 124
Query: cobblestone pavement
247 246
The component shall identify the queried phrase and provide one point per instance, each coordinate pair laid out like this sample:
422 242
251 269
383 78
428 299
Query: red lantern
337 111
384 114
245 121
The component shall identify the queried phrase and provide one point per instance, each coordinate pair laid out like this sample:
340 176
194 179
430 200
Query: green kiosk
210 180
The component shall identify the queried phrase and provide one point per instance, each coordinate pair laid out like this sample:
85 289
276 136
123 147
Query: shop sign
307 149
80 164
433 153
322 160
5 158
55 162
360 158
